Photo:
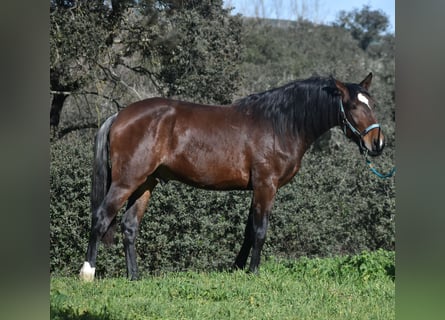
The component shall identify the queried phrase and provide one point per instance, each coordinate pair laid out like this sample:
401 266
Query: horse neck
327 118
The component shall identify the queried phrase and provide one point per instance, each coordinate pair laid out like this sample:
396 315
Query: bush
69 201
333 206
363 266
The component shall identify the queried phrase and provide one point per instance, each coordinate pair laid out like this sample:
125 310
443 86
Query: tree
193 51
365 25
202 60
189 49
78 30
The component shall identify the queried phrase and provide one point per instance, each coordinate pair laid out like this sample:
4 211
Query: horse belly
212 175
210 166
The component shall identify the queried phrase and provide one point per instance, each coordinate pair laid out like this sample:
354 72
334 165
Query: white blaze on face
87 273
361 97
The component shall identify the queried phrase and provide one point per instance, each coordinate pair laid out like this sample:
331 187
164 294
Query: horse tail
101 179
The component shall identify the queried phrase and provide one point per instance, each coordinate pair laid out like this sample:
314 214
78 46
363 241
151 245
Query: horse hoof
87 273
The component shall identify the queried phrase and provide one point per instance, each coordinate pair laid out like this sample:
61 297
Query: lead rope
378 174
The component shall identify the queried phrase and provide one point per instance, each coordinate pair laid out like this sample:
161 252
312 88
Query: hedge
334 205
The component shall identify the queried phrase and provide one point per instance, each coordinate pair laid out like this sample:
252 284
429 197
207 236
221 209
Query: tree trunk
56 109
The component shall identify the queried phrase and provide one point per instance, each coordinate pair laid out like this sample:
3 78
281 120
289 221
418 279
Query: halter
360 135
347 123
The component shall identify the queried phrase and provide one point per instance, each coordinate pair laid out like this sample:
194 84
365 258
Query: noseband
347 124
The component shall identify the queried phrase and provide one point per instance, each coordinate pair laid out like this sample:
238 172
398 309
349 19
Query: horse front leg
241 259
256 228
263 199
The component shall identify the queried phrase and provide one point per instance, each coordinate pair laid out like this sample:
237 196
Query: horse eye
353 106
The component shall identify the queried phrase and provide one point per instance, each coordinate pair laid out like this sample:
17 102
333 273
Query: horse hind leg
136 206
101 220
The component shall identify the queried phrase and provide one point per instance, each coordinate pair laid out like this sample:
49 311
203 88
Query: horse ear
343 90
367 82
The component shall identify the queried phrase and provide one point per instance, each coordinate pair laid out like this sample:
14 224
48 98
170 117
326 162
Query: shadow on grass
68 313
391 271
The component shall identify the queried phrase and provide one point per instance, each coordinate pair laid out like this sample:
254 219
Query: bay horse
256 143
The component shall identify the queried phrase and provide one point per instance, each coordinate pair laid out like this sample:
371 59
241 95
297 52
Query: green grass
355 287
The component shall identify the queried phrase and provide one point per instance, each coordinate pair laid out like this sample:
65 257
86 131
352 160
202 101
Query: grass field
354 287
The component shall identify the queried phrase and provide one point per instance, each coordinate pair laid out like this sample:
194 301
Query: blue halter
360 135
347 123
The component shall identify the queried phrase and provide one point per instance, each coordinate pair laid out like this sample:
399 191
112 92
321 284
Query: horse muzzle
372 141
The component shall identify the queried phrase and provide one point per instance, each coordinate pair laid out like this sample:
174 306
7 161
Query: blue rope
378 174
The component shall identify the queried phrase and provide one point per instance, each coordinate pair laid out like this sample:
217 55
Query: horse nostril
378 144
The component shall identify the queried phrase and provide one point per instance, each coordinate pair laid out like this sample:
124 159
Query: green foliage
277 55
188 228
202 58
366 266
334 205
75 45
371 264
69 201
334 288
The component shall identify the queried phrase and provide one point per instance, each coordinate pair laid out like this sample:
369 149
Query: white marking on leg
361 97
87 273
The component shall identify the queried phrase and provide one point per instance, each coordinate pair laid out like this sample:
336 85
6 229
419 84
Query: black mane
309 105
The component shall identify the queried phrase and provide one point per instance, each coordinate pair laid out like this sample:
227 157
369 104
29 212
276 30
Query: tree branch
118 105
72 128
142 70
